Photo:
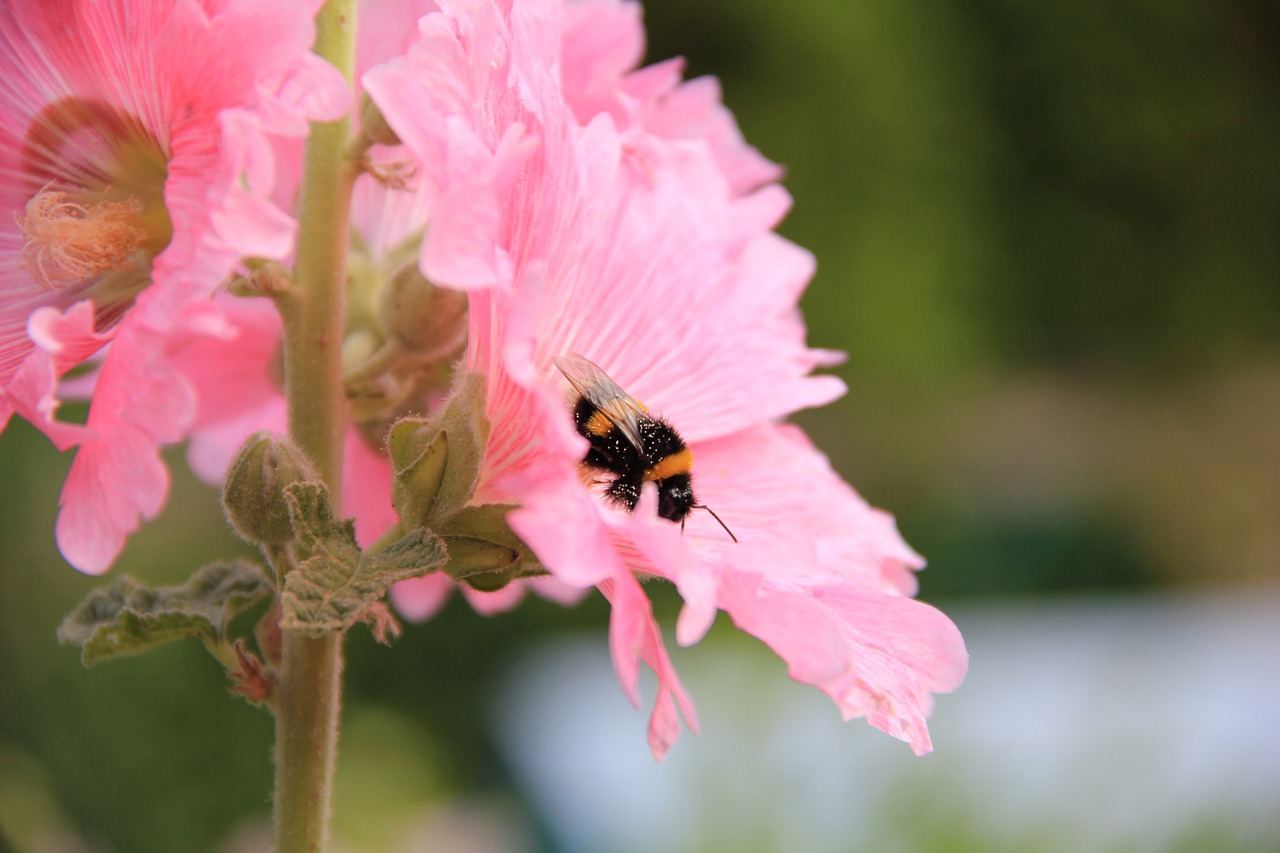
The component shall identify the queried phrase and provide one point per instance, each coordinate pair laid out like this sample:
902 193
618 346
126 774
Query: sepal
127 617
419 454
484 552
481 565
436 461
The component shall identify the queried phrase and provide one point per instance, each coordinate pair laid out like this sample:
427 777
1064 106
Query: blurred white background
1107 724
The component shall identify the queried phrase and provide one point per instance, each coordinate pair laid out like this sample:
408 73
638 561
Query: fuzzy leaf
128 617
333 585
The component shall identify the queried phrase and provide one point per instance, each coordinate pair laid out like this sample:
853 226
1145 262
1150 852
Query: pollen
67 242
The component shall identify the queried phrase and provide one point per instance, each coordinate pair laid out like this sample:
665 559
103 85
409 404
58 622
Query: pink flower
640 237
134 144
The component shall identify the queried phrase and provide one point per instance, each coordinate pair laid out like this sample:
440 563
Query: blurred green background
1049 239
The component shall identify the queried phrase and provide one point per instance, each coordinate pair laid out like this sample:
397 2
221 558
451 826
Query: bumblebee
631 444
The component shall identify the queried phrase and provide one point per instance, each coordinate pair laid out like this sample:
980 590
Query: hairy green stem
308 696
309 680
314 318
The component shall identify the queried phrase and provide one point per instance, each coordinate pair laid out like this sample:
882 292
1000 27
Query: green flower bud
483 566
374 125
436 462
253 494
419 452
429 321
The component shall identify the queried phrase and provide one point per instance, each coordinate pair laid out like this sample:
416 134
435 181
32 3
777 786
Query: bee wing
623 410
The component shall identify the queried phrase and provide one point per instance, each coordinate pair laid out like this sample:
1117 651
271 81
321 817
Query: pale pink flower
640 246
135 160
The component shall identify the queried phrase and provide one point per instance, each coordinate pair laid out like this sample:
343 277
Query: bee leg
625 491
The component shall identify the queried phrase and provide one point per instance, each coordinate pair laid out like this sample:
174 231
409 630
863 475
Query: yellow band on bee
676 463
598 424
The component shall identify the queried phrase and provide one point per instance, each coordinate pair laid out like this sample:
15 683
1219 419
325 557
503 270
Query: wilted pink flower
639 236
136 164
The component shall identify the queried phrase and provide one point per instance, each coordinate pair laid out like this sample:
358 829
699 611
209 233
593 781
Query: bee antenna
718 521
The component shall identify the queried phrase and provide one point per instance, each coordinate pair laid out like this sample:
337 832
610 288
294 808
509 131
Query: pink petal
117 478
492 603
63 340
387 29
830 535
421 598
461 248
602 41
558 504
232 371
366 490
30 394
110 488
555 590
69 336
794 625
634 636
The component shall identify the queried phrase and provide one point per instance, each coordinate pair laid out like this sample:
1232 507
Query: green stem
308 695
315 317
309 680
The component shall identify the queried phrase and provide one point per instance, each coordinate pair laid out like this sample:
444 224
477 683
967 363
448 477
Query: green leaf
128 617
332 585
418 553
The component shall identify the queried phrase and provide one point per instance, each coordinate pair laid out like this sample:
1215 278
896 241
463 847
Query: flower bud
427 320
374 125
483 566
253 494
436 462
419 455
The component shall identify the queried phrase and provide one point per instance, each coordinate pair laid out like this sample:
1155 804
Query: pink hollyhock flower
135 155
635 243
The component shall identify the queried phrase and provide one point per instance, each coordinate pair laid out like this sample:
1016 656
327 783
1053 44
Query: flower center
66 242
94 217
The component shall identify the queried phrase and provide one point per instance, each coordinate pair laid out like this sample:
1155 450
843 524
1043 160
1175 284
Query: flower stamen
67 242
